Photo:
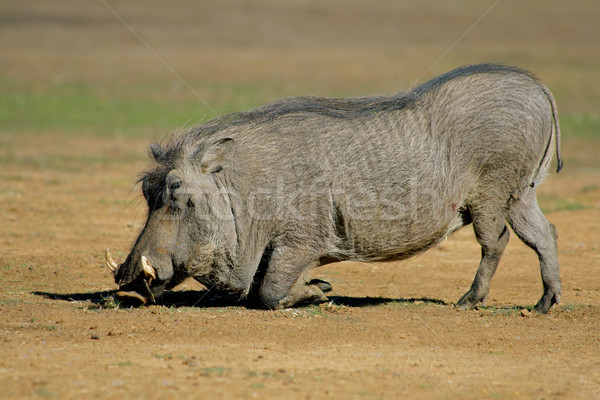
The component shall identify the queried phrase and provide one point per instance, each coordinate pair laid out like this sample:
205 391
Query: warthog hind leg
530 225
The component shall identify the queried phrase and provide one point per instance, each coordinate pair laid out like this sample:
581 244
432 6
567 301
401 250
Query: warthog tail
554 138
556 126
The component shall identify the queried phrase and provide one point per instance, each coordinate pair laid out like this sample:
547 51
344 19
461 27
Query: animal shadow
376 301
185 298
92 297
210 299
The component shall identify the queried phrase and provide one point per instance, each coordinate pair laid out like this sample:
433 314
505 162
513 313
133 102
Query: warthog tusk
149 270
110 263
121 295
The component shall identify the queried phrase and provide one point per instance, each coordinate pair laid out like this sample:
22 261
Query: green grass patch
135 111
257 386
214 371
313 310
89 113
11 301
44 393
155 108
163 356
551 203
507 311
125 363
578 125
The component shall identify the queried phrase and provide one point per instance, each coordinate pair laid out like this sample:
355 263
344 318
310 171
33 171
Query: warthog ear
215 155
158 153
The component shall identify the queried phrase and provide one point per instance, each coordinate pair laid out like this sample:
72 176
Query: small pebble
525 312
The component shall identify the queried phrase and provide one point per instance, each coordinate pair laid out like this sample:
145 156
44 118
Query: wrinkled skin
182 203
251 203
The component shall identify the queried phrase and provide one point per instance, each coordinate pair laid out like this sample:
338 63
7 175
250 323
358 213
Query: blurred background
86 85
142 68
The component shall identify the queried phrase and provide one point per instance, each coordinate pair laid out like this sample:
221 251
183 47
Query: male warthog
251 202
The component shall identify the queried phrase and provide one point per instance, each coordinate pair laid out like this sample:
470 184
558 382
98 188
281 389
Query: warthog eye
190 203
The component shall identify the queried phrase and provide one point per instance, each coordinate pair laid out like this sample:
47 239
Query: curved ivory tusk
110 263
149 270
123 296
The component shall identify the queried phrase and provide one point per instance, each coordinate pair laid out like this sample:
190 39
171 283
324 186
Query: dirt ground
390 330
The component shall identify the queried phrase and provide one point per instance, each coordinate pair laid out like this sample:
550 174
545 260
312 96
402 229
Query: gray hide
251 202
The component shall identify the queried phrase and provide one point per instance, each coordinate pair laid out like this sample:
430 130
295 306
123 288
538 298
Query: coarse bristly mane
348 108
183 141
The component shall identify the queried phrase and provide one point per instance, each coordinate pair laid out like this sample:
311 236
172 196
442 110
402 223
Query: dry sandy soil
390 330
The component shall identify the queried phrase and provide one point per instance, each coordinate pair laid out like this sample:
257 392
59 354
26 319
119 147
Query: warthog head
189 230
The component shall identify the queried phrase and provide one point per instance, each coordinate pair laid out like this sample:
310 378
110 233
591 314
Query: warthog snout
137 292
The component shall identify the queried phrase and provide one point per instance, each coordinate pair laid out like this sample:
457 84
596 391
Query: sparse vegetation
552 203
80 100
125 363
210 371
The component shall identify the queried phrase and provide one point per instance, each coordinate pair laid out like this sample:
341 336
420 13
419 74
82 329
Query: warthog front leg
301 294
284 284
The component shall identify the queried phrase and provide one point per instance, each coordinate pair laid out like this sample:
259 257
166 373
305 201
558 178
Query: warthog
251 202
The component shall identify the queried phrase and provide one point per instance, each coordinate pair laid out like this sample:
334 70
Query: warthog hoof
306 294
470 299
321 284
549 298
